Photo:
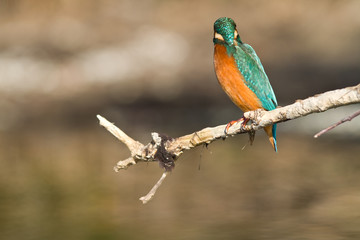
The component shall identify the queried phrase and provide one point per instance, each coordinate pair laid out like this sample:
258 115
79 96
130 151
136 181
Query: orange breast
232 81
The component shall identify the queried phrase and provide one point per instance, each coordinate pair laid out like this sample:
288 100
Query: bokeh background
147 66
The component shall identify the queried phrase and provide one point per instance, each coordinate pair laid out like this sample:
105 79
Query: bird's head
225 32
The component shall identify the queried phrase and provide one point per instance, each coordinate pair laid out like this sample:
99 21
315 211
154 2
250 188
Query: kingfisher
241 74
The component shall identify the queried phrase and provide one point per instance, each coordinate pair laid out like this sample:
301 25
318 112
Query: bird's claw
243 121
226 130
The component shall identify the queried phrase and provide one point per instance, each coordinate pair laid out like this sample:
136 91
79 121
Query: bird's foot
243 121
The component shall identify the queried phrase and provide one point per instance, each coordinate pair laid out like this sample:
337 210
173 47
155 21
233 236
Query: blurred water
61 185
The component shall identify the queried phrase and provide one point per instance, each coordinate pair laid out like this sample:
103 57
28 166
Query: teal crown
226 28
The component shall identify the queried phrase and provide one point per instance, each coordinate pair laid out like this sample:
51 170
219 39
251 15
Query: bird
240 73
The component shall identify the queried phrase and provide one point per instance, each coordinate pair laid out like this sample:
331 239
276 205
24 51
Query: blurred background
147 66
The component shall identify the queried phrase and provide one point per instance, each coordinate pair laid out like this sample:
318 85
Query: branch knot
165 158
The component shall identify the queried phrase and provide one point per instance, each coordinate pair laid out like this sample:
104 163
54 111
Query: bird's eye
218 36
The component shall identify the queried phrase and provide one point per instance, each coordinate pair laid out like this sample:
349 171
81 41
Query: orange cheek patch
232 81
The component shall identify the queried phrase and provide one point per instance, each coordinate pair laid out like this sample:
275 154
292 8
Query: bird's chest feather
232 81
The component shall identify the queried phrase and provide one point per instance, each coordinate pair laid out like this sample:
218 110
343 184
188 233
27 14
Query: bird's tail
271 132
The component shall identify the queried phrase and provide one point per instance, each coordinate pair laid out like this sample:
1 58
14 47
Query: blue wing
255 77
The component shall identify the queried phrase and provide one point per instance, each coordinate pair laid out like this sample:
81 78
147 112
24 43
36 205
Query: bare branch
166 149
152 192
128 141
124 164
348 118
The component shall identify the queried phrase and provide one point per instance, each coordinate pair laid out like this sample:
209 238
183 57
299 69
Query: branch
152 192
166 150
348 118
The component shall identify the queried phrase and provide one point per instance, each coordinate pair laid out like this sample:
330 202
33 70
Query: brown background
147 66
